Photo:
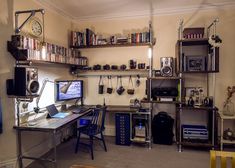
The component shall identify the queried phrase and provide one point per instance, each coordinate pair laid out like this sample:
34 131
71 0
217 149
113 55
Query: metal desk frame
52 125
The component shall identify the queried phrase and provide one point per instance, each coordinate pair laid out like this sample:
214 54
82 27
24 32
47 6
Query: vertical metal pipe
19 148
16 23
18 111
54 148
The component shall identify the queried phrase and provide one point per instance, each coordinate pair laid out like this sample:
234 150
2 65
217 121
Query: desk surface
119 109
57 123
49 124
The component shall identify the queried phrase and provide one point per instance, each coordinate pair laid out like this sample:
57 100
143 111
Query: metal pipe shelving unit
210 75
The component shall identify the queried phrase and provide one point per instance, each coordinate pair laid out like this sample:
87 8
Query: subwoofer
26 81
166 66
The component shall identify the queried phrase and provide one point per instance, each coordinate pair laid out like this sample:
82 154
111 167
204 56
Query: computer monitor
69 89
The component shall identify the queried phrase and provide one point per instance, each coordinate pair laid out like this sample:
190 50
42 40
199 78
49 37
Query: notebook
54 113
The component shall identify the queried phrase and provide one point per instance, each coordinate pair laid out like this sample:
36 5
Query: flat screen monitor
69 89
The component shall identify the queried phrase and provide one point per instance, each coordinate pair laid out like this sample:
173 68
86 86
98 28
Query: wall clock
35 27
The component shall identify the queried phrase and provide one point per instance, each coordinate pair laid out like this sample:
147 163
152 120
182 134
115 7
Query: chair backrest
224 156
98 118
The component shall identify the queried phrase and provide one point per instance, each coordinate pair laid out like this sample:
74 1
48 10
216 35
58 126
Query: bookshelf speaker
166 66
26 81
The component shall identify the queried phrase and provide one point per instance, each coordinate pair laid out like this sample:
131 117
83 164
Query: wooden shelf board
227 141
197 108
189 42
164 102
45 62
114 70
165 78
198 144
226 117
202 72
139 140
112 45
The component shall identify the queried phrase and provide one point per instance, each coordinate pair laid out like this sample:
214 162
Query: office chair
93 129
223 158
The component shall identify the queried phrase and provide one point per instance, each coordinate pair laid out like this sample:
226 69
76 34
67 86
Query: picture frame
196 63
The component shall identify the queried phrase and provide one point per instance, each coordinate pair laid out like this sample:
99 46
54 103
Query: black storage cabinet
162 129
122 122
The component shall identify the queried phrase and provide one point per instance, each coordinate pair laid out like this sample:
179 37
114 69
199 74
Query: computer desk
52 126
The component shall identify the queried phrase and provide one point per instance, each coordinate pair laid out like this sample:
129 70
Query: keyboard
80 110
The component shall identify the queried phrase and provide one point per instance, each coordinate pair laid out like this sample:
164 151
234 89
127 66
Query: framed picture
196 63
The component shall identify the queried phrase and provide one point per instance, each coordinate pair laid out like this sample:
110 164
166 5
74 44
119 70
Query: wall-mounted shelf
198 72
197 108
112 45
165 78
118 72
190 42
163 102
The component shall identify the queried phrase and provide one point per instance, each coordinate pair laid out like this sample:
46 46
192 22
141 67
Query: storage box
195 132
193 33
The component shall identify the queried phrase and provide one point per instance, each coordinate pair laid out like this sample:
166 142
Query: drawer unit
122 122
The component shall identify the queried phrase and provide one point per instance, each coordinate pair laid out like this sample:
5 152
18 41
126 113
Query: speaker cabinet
166 66
10 87
26 81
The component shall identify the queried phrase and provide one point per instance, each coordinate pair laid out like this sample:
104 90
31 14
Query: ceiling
109 9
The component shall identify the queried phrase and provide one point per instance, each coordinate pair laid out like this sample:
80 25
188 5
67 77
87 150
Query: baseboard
109 131
11 163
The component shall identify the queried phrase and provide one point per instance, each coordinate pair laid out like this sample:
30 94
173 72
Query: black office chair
94 128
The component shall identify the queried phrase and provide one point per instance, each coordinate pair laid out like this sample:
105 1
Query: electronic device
10 87
26 81
80 109
195 132
164 92
54 113
196 63
69 89
166 66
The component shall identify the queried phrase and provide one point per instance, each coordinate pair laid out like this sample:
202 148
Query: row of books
89 38
54 53
143 37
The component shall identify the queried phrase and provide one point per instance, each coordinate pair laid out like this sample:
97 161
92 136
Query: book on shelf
28 49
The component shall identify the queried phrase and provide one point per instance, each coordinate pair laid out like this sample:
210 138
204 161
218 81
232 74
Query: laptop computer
54 113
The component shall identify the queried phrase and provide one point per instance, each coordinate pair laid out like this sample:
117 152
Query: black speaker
166 66
26 81
10 87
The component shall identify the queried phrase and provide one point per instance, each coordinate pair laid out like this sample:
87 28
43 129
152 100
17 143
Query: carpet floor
134 156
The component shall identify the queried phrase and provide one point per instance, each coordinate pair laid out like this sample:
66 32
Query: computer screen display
69 89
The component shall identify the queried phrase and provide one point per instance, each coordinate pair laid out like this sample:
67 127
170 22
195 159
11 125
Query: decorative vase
228 108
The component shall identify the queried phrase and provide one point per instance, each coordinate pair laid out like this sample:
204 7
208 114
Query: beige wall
57 29
166 34
7 138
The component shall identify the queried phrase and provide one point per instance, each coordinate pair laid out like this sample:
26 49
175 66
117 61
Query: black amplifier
164 92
